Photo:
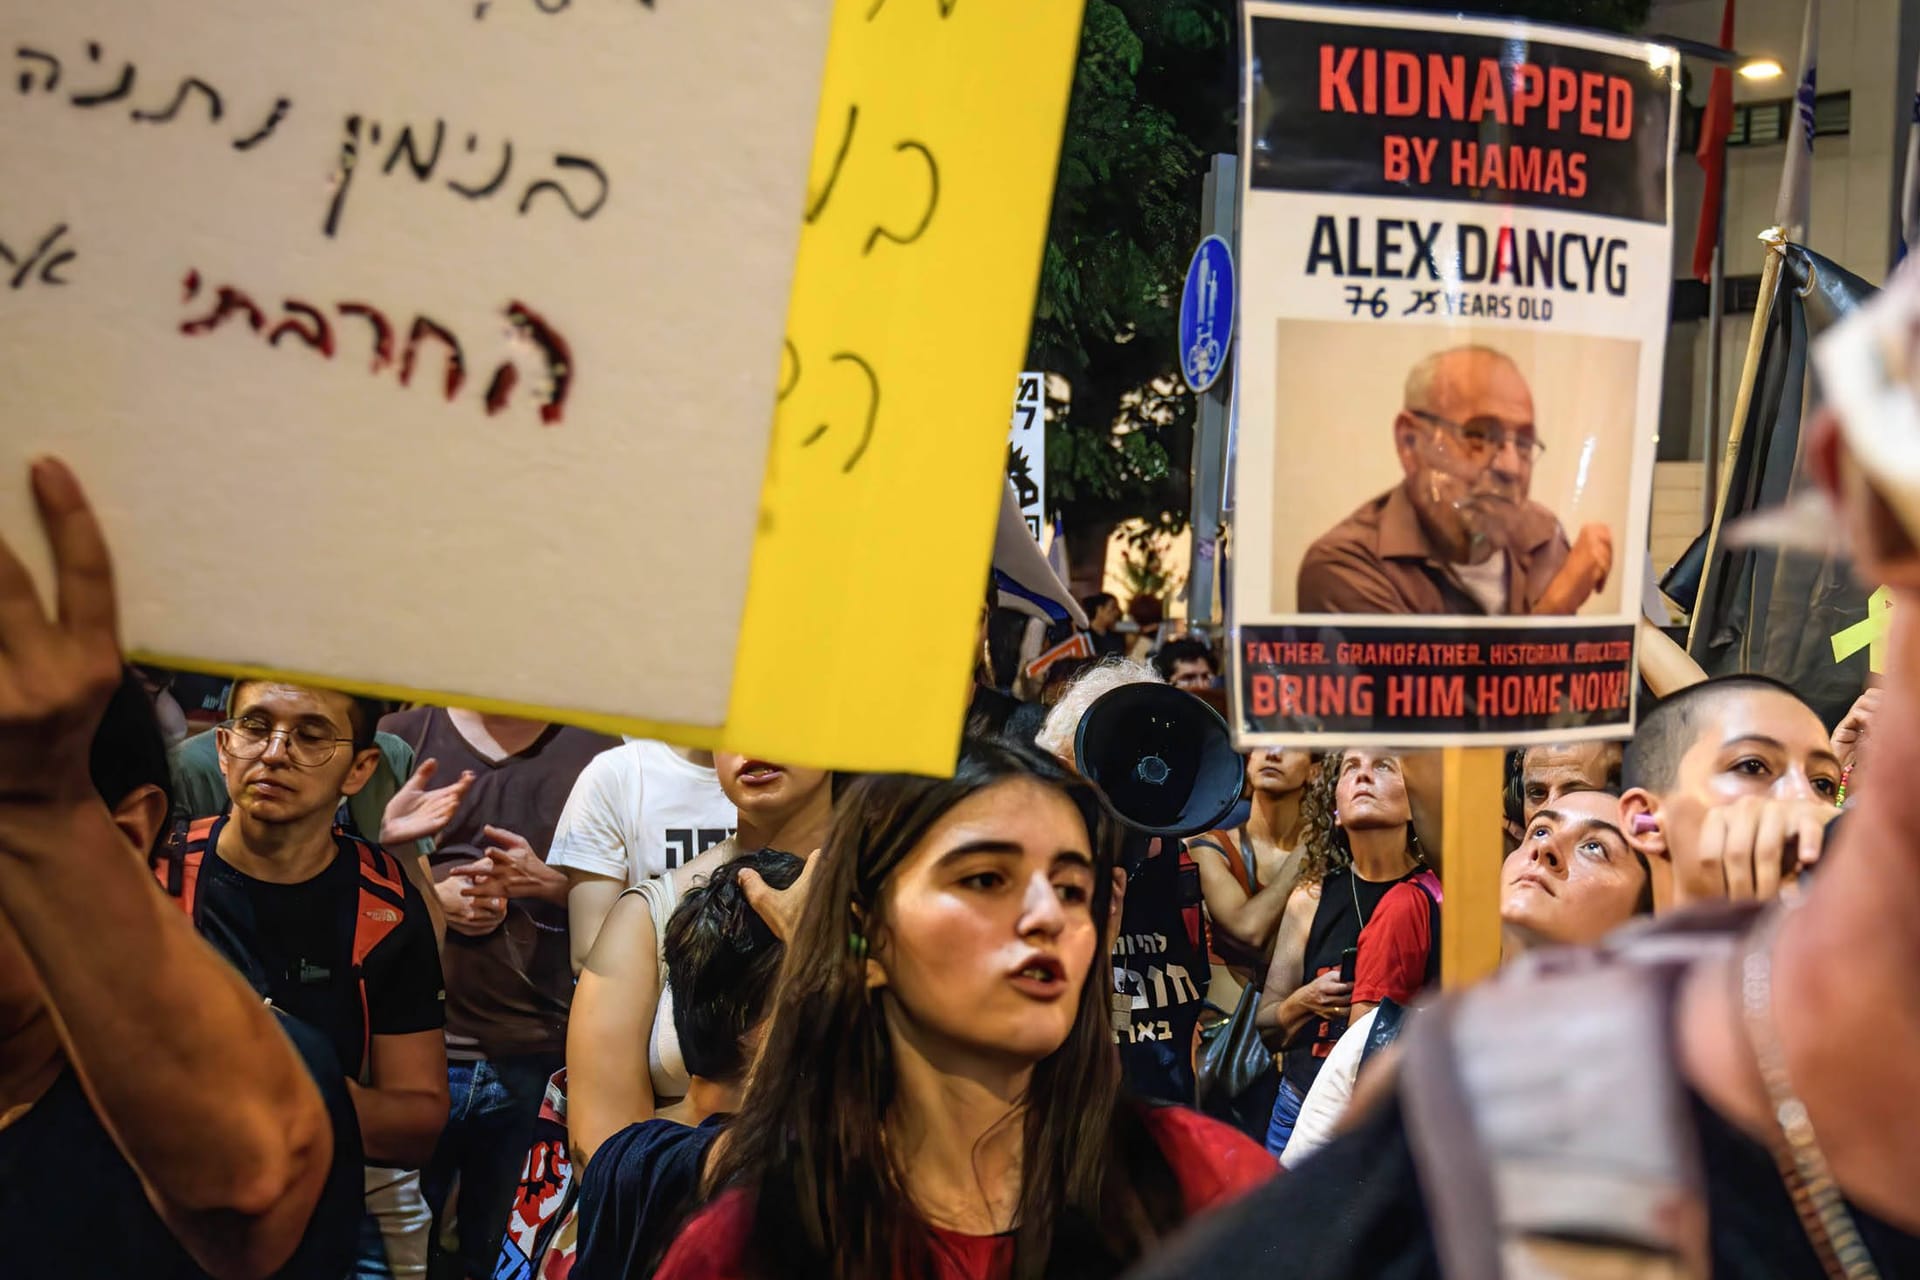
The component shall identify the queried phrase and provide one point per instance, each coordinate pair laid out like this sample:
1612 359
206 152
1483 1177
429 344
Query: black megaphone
1163 758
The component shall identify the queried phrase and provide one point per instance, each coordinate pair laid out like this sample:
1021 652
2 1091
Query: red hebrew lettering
456 363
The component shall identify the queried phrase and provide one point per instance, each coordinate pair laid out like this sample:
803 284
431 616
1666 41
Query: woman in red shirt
939 1094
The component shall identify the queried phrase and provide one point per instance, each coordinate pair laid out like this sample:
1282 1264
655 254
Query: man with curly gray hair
1063 721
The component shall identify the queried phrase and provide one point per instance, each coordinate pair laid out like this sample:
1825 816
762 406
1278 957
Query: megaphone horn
1164 759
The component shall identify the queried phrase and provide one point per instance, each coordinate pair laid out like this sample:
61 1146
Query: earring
857 945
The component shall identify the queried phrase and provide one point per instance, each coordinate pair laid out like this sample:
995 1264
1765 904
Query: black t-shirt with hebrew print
1160 971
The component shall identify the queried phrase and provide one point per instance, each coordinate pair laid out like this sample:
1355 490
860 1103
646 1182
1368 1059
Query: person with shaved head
1459 534
1730 786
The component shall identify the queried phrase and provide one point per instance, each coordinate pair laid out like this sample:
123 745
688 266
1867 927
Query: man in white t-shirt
637 812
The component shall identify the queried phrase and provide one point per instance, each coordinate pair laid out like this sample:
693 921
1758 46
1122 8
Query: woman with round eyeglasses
939 1093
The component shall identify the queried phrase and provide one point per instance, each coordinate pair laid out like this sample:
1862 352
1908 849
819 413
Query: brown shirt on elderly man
1380 559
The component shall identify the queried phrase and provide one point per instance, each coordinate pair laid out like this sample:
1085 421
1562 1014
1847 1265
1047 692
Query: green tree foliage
1154 95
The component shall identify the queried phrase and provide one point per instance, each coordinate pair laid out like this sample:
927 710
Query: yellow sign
926 216
1870 633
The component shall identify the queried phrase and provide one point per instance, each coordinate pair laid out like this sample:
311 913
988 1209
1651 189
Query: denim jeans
1286 1111
495 1103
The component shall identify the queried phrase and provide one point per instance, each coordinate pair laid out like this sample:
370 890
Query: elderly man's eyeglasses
308 745
1483 437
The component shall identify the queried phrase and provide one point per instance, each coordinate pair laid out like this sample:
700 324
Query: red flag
1715 123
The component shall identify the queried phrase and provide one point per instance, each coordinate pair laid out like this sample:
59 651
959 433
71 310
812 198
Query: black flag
1766 609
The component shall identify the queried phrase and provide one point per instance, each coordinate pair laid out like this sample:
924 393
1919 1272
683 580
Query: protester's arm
1292 1003
1664 665
420 876
589 898
1424 773
608 1029
1249 919
404 1109
180 1058
591 845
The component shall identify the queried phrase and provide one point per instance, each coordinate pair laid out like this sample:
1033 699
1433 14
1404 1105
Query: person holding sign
156 1118
1459 535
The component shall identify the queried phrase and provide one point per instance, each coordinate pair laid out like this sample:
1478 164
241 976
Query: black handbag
1237 1076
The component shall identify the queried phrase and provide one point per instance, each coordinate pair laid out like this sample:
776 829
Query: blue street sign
1206 314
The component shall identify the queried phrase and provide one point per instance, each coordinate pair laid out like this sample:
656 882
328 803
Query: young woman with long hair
939 1093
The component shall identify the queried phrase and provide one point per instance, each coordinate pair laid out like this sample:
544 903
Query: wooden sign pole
1470 846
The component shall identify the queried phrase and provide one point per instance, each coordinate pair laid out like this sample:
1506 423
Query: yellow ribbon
1870 633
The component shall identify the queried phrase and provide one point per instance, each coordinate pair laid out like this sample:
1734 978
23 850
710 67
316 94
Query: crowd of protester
337 989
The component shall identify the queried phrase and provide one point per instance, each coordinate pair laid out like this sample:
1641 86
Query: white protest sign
1027 450
424 348
1456 253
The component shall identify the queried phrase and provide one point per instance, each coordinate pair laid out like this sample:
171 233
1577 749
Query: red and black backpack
379 906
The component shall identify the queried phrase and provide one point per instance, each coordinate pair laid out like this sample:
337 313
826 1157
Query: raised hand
416 813
1852 731
56 674
1746 850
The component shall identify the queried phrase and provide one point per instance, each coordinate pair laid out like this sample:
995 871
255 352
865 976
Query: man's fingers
1738 856
423 773
1813 839
1770 852
23 623
83 571
1705 876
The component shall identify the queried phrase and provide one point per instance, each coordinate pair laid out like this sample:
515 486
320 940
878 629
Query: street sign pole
1218 218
